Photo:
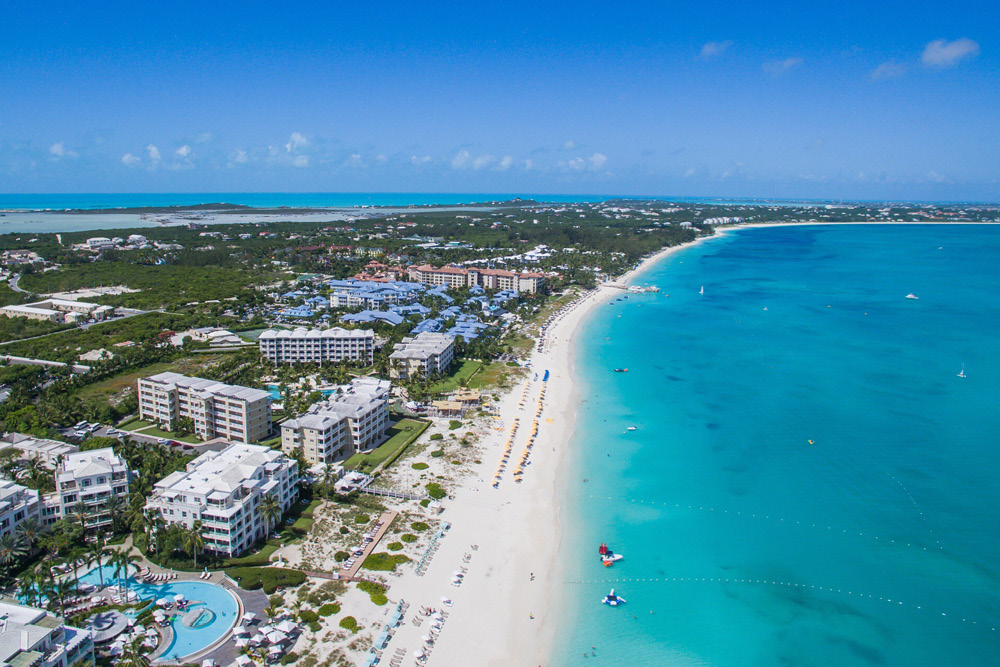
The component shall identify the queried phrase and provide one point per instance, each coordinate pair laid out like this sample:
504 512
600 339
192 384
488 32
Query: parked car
80 434
163 441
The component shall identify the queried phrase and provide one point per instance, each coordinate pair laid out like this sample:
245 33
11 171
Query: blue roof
298 311
374 316
432 325
416 308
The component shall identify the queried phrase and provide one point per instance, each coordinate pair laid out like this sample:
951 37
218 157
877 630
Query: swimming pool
275 392
200 595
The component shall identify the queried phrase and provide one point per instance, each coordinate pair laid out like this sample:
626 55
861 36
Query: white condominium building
232 412
223 490
86 480
49 452
31 637
317 346
353 418
422 356
17 503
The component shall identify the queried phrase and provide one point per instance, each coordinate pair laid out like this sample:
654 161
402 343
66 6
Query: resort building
353 418
31 637
223 490
17 503
85 481
499 279
318 346
49 452
59 311
216 409
422 356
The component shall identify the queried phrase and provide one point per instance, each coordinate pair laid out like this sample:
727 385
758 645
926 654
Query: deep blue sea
810 482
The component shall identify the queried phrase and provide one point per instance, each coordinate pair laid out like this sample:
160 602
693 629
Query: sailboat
702 290
961 373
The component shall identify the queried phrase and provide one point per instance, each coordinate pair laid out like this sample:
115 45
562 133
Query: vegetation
419 526
408 537
435 491
420 466
394 546
383 562
404 432
267 578
349 623
329 609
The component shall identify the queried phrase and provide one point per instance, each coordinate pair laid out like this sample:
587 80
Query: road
13 284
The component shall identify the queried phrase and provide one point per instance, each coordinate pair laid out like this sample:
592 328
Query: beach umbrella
241 642
287 627
418 654
208 662
257 640
249 617
243 661
97 598
426 639
163 602
276 637
241 630
446 600
274 650
458 573
179 597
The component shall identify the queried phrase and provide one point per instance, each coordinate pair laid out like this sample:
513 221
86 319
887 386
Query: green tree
194 541
270 511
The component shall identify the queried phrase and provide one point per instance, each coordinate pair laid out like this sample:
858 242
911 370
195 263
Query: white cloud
381 159
529 164
203 138
935 177
462 160
183 152
779 67
941 53
239 156
576 164
887 70
58 151
301 161
689 172
597 160
569 145
154 153
417 160
482 161
505 163
295 142
130 160
714 49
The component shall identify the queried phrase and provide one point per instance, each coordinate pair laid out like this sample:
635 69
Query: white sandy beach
500 615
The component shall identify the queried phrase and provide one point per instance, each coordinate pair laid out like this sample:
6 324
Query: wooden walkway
387 518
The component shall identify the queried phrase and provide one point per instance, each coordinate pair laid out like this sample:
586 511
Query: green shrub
308 616
375 591
420 466
315 626
435 491
383 562
275 601
425 502
453 424
419 526
289 658
456 462
362 518
380 599
341 556
437 436
344 530
395 546
349 623
329 609
408 537
266 578
437 453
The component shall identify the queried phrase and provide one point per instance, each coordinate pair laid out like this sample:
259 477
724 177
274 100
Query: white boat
611 558
631 428
961 373
702 290
911 295
612 599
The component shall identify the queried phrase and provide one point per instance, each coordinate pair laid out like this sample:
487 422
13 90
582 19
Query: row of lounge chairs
150 576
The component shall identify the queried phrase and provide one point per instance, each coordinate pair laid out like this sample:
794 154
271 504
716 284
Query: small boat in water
612 599
702 290
961 373
631 428
608 557
621 370
911 295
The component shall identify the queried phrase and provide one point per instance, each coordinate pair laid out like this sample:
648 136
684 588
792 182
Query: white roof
209 388
302 332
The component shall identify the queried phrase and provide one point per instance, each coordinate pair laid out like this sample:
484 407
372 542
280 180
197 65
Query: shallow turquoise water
877 544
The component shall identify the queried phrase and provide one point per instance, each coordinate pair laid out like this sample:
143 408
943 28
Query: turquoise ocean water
878 544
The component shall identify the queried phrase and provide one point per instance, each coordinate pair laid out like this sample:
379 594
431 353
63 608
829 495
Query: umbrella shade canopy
426 639
287 627
241 642
276 636
243 661
418 654
208 662
458 573
446 600
241 630
163 602
179 597
249 617
276 650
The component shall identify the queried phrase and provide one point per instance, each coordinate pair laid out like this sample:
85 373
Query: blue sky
822 100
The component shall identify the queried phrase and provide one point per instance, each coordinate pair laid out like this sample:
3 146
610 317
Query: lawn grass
495 375
169 435
462 371
401 435
137 424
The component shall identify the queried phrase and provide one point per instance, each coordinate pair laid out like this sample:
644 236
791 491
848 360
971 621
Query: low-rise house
49 452
224 490
17 503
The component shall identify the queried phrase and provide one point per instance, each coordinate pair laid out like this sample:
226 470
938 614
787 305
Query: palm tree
115 507
31 530
127 560
269 510
80 513
93 557
133 655
59 591
26 587
12 549
193 541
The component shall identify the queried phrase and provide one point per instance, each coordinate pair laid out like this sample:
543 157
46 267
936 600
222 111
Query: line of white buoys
765 582
766 517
